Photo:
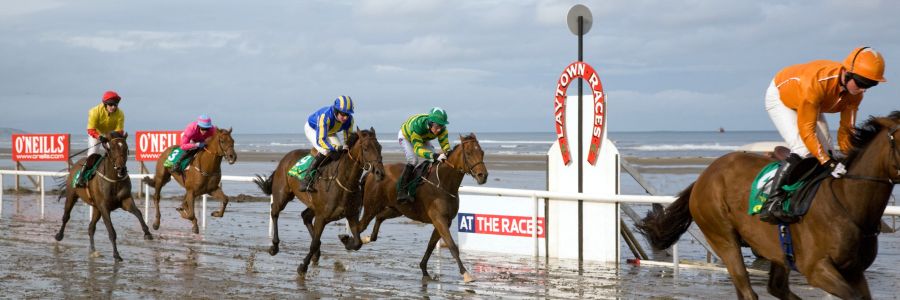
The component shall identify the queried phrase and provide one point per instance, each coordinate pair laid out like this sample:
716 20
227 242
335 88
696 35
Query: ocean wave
514 142
684 147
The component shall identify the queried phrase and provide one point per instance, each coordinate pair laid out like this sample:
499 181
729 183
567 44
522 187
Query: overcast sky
263 66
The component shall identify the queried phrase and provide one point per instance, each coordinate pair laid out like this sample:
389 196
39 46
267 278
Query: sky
264 66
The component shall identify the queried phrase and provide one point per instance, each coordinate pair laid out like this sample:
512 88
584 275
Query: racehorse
202 176
436 200
834 243
333 199
108 190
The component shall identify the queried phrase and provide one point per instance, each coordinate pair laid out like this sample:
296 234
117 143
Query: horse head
223 145
117 150
468 157
871 153
365 146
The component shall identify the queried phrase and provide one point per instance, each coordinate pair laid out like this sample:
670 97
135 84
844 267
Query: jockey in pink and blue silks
322 128
193 138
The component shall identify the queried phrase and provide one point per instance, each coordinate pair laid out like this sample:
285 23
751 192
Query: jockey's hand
102 139
343 147
200 145
441 157
837 168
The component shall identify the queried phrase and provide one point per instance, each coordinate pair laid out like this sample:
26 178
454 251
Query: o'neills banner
40 147
150 144
579 70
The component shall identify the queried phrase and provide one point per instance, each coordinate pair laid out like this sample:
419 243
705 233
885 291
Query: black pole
580 147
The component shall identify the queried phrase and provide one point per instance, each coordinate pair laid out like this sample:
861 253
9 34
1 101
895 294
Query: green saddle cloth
299 170
88 173
761 185
176 154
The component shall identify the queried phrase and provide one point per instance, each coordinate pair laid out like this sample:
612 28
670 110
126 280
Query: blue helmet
344 104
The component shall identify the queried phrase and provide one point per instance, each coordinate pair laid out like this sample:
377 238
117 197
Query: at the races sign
40 147
573 71
499 225
150 144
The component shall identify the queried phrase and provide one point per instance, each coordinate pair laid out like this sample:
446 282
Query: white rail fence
535 196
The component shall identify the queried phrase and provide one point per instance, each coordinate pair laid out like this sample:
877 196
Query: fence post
146 202
534 227
271 201
1 196
204 211
42 197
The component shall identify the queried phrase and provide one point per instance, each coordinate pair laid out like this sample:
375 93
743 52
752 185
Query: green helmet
439 116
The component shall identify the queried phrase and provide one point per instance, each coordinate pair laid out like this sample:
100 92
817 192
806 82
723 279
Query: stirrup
307 185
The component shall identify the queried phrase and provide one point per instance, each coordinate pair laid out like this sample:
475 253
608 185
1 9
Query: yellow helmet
866 62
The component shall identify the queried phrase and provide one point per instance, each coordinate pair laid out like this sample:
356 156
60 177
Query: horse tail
63 187
148 181
663 227
264 183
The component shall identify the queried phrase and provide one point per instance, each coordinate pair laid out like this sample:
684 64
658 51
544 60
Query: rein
470 170
366 165
219 153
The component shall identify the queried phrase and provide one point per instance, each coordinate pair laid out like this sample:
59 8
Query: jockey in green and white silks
415 138
321 130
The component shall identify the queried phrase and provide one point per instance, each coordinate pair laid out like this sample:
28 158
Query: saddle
419 173
804 175
182 157
87 172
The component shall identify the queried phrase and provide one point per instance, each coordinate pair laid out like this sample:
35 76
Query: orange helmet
866 62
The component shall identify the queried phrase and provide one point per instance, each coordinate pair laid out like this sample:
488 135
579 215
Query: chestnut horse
334 187
834 243
436 201
109 189
202 176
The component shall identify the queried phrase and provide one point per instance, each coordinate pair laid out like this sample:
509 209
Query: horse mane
351 141
865 133
471 136
116 135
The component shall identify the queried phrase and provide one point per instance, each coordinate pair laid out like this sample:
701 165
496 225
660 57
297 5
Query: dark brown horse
833 243
436 202
202 176
108 190
335 186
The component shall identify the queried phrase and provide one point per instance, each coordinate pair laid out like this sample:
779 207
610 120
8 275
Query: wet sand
229 260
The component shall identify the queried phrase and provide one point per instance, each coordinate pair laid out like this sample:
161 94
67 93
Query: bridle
119 176
368 165
470 169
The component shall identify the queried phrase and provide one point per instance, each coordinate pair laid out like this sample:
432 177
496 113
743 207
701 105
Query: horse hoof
118 258
367 239
148 237
94 254
467 277
273 250
59 237
426 279
156 226
217 214
196 230
301 270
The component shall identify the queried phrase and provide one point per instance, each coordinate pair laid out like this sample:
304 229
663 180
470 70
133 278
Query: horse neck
209 159
450 177
353 169
865 200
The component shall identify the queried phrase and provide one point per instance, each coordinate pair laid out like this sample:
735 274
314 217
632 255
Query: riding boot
773 210
81 177
306 185
403 188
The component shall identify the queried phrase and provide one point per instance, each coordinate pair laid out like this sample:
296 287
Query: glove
200 145
442 157
837 168
343 147
102 139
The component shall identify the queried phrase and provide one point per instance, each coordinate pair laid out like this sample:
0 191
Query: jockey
102 119
321 130
193 139
415 136
799 95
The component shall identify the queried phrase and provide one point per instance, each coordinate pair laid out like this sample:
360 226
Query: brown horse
335 185
108 190
202 176
834 243
436 202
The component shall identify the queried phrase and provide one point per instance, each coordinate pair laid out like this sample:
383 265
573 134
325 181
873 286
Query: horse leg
778 282
861 285
219 194
112 233
826 277
280 200
129 206
92 226
390 213
71 197
308 216
435 236
158 183
187 210
729 249
314 246
443 227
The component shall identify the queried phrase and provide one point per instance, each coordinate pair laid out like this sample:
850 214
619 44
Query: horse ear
125 135
357 128
229 129
372 129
